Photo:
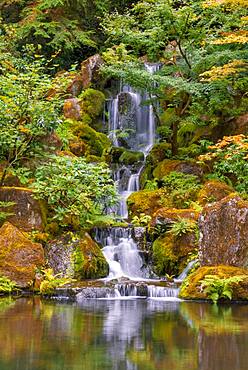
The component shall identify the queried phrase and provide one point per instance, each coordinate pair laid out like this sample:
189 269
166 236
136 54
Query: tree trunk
174 144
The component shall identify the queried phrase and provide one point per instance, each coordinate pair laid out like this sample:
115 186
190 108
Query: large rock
213 191
90 70
170 253
224 233
80 258
186 167
72 109
147 202
19 257
28 213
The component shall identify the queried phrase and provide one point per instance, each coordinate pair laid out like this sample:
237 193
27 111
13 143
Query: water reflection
124 335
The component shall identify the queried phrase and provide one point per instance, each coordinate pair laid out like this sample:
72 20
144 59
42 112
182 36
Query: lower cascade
129 275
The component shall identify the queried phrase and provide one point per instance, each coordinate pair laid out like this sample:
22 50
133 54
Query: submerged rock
28 213
19 256
224 233
80 258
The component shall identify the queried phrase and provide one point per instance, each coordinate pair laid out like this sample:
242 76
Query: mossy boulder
158 153
147 202
186 167
89 261
79 257
96 142
27 213
167 216
164 168
92 102
213 191
170 253
129 157
192 286
224 233
19 256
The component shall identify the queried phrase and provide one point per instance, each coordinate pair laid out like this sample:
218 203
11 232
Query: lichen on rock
19 256
76 256
224 233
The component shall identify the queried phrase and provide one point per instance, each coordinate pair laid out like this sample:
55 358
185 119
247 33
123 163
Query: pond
134 334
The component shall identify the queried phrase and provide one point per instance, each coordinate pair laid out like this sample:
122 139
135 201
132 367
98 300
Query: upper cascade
132 126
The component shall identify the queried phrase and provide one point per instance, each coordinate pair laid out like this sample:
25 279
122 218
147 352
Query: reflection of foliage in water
5 303
214 319
100 335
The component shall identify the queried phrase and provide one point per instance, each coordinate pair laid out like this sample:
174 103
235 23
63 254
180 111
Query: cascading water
131 126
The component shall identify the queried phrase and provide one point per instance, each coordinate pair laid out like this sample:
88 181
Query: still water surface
122 335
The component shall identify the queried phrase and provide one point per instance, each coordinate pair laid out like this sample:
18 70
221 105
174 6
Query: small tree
76 191
27 115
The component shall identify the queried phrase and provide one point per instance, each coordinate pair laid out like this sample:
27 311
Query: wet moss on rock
192 289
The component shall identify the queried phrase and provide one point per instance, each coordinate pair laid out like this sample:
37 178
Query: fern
216 287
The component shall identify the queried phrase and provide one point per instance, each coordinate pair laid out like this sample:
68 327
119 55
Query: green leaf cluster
76 191
216 287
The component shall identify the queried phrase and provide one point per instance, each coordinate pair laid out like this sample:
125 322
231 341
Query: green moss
129 157
92 102
96 142
146 175
147 202
89 261
164 168
164 259
191 288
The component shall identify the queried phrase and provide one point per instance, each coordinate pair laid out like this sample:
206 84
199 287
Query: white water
126 112
119 248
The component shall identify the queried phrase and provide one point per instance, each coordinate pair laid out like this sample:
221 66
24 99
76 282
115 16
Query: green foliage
230 161
7 286
200 73
183 226
151 184
27 115
5 214
216 287
181 187
51 282
141 220
76 191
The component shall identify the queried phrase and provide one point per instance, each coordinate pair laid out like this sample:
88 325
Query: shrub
76 191
183 226
51 282
182 188
7 285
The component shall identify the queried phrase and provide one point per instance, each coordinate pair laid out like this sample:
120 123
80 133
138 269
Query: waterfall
186 271
135 121
131 125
